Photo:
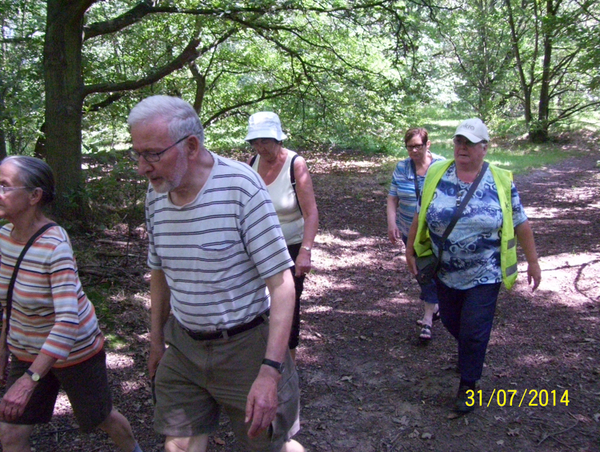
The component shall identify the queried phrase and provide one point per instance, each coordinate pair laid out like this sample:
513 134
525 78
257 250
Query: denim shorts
86 386
196 378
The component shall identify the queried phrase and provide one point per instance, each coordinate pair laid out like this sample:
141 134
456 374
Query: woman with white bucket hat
288 181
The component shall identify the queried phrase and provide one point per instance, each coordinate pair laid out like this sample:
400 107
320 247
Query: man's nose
143 166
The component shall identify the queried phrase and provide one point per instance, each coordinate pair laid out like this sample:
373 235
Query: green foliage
350 75
114 192
21 90
327 73
101 296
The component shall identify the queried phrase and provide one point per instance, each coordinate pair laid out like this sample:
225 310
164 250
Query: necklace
462 187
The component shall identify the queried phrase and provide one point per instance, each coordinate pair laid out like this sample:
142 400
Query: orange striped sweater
51 314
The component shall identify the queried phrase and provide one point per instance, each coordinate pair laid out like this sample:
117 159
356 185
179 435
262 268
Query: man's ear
192 146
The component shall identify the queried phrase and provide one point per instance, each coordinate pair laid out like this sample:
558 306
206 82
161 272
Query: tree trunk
525 87
540 132
2 113
2 144
64 103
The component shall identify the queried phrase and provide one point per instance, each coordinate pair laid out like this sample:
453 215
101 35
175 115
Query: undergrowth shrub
114 192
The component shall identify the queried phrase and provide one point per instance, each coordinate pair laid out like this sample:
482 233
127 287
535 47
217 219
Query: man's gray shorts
196 378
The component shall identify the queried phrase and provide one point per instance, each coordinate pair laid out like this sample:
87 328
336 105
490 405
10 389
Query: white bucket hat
474 130
265 124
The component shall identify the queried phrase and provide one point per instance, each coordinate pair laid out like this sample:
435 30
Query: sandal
425 333
436 316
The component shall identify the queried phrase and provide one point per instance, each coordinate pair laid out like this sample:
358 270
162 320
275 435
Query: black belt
224 334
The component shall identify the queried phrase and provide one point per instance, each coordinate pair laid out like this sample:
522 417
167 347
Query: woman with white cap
288 181
478 253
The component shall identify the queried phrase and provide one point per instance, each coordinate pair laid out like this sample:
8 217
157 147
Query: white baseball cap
473 130
265 124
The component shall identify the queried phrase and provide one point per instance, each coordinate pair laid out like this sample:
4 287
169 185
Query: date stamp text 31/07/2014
514 397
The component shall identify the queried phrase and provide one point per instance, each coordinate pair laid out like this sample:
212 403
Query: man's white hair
180 116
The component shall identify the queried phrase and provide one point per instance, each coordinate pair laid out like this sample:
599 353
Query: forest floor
367 383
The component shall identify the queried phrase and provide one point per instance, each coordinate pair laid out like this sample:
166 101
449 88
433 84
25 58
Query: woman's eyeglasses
4 190
415 147
462 141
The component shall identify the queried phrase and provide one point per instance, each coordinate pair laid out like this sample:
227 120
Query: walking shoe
465 403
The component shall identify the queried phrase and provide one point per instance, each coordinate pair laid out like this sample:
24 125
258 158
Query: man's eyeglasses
152 157
462 141
4 190
415 147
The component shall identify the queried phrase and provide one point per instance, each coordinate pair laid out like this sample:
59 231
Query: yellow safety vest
508 243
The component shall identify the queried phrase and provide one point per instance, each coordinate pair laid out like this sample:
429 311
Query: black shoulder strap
293 180
13 278
459 210
417 191
252 160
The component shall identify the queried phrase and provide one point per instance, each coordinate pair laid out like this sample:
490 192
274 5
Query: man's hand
262 402
411 262
15 400
156 354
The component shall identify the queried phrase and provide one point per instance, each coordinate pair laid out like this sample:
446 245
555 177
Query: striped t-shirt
403 188
50 311
217 250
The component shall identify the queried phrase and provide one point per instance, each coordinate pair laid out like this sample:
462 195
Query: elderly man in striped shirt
222 294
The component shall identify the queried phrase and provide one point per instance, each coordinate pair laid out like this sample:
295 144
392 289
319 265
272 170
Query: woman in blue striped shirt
401 206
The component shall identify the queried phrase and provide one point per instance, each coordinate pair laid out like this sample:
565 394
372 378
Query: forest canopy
339 73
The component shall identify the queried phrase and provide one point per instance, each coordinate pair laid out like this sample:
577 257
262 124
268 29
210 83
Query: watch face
34 376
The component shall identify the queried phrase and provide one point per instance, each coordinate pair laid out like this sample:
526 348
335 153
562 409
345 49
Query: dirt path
370 386
367 384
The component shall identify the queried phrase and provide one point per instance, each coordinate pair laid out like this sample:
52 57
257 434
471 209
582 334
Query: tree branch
106 102
189 54
264 96
147 7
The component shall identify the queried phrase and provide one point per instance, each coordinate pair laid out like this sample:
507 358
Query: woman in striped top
53 336
407 183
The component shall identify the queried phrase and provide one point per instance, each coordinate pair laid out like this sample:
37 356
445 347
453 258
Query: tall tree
552 41
97 53
478 54
21 107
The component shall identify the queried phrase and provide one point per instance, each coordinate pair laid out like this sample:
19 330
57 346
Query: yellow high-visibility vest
508 243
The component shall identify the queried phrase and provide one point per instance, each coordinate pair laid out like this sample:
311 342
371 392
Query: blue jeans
468 315
428 291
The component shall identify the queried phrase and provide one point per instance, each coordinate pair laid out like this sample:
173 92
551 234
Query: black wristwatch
274 364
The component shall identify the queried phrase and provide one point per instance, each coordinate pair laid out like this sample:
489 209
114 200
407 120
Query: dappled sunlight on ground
367 383
118 360
567 279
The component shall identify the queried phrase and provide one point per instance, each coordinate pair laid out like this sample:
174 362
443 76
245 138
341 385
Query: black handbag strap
13 278
417 191
459 210
292 177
